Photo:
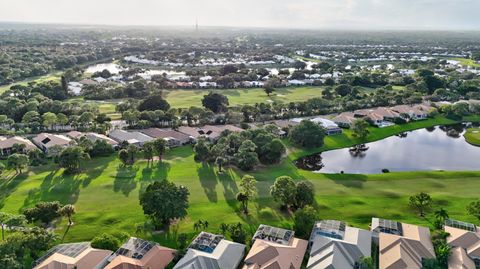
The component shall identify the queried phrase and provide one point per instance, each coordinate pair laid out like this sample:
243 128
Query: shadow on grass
156 171
65 188
348 180
55 187
208 180
125 179
9 183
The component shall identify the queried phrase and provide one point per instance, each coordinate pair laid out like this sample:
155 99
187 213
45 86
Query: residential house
335 245
373 117
222 128
401 246
92 137
345 119
210 132
75 88
74 134
296 82
137 253
88 82
133 138
172 137
6 145
207 84
70 256
275 248
331 128
210 251
414 112
464 238
46 141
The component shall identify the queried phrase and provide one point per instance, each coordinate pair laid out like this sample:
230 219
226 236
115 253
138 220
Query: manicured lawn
188 98
467 62
39 79
106 195
472 136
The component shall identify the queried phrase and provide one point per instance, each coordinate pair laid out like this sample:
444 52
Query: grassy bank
472 136
106 194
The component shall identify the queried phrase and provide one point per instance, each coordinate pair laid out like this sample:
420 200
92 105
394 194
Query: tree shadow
124 181
9 183
156 171
230 188
91 173
208 180
61 187
348 180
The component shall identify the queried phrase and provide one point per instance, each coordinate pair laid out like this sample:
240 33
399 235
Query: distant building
401 246
140 254
210 251
69 256
335 245
275 248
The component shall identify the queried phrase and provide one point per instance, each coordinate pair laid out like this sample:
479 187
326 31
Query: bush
266 213
385 170
106 241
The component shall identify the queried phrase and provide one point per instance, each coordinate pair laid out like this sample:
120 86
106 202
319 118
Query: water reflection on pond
435 148
113 68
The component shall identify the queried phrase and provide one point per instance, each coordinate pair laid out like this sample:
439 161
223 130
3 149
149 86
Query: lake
113 68
436 148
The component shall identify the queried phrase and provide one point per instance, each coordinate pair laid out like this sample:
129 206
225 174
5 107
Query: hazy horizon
303 14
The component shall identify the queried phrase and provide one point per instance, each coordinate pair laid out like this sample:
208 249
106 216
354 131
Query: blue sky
320 14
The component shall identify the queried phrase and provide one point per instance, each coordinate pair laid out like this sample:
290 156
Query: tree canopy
164 201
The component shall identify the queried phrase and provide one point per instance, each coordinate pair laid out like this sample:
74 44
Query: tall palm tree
68 211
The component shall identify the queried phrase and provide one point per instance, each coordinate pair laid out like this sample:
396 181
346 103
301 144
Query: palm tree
220 162
441 214
68 211
223 228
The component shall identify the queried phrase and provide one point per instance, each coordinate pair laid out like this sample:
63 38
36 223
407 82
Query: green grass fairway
472 136
188 98
106 195
467 62
51 76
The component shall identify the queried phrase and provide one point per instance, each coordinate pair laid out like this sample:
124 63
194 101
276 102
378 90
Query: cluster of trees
128 153
292 195
245 150
45 212
307 134
23 244
39 107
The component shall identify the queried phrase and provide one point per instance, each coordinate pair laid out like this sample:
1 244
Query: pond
435 148
113 68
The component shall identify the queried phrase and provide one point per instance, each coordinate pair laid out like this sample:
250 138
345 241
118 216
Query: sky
308 14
